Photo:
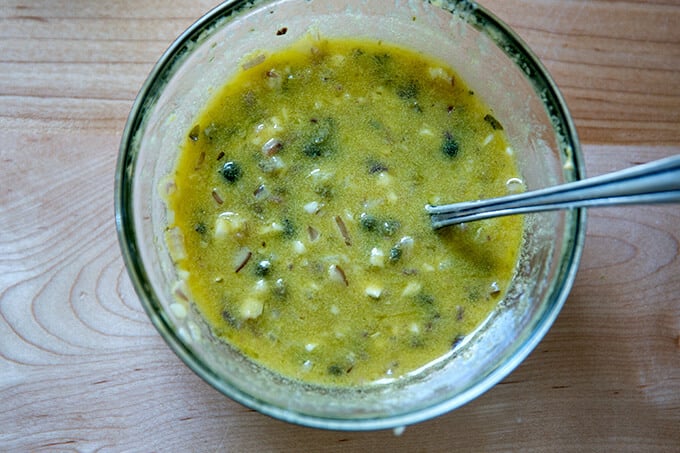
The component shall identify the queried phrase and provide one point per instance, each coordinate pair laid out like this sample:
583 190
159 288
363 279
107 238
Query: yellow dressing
300 197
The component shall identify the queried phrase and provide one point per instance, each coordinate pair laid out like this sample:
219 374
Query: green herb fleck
335 370
425 299
389 227
289 229
262 268
395 254
231 171
321 143
200 228
408 90
450 145
368 222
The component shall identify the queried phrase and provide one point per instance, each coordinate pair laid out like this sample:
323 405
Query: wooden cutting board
82 368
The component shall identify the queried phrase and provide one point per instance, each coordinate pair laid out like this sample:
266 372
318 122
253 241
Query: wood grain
81 367
616 62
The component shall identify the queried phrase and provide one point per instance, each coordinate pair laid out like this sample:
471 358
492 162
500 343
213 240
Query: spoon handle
654 182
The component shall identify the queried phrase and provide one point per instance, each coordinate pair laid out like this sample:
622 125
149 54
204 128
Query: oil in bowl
298 200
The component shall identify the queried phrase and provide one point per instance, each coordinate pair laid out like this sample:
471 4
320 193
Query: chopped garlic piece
251 308
446 264
265 130
273 165
384 179
175 240
312 207
180 289
299 247
411 289
195 331
338 59
374 291
167 187
274 227
178 310
494 289
312 287
260 286
271 146
228 224
276 123
438 73
406 245
377 257
319 175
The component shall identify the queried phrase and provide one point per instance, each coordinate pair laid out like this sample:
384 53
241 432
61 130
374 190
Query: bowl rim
513 46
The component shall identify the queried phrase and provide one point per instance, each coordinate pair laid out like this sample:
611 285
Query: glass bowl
494 62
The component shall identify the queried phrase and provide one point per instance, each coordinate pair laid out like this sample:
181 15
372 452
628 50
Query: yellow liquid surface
300 196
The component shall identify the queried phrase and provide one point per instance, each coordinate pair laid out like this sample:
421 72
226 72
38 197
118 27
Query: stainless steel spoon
654 182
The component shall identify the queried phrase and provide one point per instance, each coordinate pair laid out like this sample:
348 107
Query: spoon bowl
653 182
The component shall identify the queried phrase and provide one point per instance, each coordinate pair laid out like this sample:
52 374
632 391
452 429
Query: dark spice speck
195 133
230 319
493 122
375 166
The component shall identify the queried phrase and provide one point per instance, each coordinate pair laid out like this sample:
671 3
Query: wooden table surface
82 368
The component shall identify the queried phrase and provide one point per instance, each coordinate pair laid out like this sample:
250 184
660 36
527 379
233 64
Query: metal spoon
654 182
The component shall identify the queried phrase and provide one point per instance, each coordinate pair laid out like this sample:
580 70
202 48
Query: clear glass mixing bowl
494 62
